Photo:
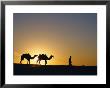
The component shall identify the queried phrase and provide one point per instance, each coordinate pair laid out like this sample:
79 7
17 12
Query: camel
28 57
44 57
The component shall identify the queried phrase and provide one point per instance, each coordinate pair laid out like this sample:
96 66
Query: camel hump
42 55
23 55
26 55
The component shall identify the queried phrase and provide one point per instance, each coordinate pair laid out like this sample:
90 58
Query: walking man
70 62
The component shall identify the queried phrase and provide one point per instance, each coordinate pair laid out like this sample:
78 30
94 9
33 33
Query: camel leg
39 61
29 61
45 62
20 62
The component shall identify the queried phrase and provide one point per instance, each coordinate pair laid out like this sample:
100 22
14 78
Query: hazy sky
59 34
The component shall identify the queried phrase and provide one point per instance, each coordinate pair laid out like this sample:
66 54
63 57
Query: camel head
51 56
35 55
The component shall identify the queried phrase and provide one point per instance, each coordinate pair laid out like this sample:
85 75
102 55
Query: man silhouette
70 62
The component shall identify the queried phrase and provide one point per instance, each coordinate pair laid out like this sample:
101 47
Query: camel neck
50 57
33 57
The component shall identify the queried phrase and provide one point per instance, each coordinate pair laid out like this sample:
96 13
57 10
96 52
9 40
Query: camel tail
37 60
21 58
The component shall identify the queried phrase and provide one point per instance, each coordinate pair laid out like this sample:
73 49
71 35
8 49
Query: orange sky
61 35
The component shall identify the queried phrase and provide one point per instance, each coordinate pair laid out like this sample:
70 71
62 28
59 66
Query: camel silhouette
28 57
44 57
